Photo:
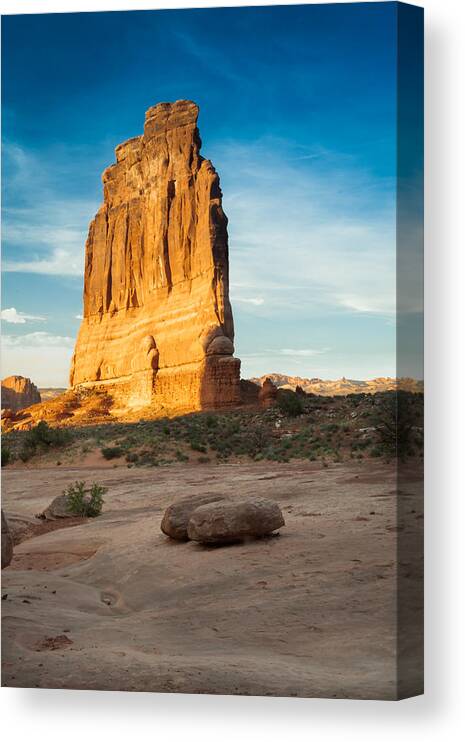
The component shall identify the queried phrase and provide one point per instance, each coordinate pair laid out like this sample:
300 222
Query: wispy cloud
43 231
37 340
42 356
305 352
212 59
256 301
310 231
12 316
56 263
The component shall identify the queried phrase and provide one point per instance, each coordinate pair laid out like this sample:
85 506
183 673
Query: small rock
176 517
228 521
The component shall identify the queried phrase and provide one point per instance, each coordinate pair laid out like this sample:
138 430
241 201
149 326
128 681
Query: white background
84 715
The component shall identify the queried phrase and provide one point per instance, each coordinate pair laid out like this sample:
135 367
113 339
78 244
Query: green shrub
26 452
197 445
86 503
6 456
330 427
290 403
394 418
132 457
44 436
112 452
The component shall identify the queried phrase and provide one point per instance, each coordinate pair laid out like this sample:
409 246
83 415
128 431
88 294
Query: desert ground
112 603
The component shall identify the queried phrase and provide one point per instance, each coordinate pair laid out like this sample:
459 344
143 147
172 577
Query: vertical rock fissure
157 267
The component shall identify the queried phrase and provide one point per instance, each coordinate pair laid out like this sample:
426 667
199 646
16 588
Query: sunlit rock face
18 392
158 325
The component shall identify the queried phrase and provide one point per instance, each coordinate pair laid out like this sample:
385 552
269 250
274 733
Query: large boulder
228 521
21 526
7 543
177 515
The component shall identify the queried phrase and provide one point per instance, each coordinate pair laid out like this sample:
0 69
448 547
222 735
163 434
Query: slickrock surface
18 392
158 325
311 613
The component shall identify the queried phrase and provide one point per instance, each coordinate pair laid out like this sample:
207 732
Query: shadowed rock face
7 543
158 326
19 392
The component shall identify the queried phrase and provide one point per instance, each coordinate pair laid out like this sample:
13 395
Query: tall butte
158 326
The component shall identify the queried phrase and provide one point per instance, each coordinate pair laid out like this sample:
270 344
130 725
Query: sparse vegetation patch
85 501
325 430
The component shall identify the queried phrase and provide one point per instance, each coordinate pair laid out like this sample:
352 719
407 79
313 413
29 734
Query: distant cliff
19 392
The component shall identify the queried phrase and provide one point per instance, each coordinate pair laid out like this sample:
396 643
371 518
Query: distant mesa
158 326
50 392
337 386
18 392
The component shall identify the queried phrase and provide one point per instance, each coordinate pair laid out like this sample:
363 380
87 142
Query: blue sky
298 115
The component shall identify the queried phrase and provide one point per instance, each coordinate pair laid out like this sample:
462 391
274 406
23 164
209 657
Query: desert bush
6 456
330 427
112 452
85 502
27 451
132 457
197 445
394 417
44 436
290 403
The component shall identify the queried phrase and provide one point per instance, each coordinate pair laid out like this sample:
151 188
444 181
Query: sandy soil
113 604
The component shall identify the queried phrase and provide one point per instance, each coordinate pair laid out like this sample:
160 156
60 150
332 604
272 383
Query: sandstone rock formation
177 515
228 521
268 394
18 392
158 325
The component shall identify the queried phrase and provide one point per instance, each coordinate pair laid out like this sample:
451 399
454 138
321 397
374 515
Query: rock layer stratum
158 326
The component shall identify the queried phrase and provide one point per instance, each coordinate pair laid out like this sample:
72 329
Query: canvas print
212 361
